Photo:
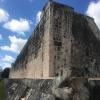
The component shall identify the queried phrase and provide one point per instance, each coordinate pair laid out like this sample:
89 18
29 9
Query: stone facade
33 61
64 43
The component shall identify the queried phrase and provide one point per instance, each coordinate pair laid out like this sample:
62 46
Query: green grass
2 90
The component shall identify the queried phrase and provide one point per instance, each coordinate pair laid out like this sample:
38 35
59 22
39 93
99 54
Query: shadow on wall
95 90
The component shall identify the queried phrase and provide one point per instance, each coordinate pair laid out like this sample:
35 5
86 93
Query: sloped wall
85 53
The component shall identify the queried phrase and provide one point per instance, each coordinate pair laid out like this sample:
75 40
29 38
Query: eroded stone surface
63 43
69 89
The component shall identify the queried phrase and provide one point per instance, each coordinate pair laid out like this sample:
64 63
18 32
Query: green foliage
5 73
2 90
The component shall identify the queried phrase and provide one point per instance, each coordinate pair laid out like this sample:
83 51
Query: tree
5 73
0 69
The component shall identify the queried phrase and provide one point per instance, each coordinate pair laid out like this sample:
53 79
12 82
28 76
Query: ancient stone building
63 43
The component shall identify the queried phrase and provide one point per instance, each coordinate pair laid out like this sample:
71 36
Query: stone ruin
48 89
62 40
60 61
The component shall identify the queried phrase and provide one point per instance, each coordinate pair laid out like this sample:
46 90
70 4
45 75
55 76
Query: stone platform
53 89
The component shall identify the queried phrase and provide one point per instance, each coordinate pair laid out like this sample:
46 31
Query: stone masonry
64 43
70 89
60 61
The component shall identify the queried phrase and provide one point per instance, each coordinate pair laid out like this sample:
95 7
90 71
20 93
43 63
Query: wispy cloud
16 44
4 16
5 61
6 65
19 26
94 11
8 58
38 16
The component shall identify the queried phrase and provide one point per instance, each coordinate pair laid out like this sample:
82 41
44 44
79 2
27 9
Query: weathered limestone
64 43
69 89
62 54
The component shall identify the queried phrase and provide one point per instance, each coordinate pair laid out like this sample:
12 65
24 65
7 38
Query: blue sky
18 19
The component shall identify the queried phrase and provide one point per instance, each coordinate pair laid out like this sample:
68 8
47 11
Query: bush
5 73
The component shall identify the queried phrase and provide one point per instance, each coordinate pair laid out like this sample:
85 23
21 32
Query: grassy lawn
2 90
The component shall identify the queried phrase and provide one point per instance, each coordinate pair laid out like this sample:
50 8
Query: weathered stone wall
33 61
61 30
28 89
85 55
64 43
69 89
75 43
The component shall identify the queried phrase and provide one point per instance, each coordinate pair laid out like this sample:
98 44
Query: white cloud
38 16
4 16
0 37
94 11
16 44
19 26
8 58
6 65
